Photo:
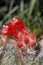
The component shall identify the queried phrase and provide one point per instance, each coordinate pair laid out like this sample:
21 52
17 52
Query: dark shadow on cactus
37 48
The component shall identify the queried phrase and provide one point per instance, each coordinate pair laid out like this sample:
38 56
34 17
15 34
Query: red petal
33 44
5 29
26 40
16 22
9 30
19 44
32 36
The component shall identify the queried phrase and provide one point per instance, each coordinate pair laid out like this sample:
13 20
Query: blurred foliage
30 11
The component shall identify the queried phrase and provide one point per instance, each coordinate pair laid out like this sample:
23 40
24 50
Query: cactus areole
17 29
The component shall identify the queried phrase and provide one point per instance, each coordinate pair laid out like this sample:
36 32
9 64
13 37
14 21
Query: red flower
16 22
19 44
8 29
5 29
23 35
32 37
26 40
33 44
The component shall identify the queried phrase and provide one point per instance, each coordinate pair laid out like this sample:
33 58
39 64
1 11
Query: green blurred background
30 11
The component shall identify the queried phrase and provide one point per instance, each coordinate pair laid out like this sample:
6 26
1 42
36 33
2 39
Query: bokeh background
31 12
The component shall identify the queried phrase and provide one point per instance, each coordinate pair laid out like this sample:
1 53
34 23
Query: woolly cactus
9 57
